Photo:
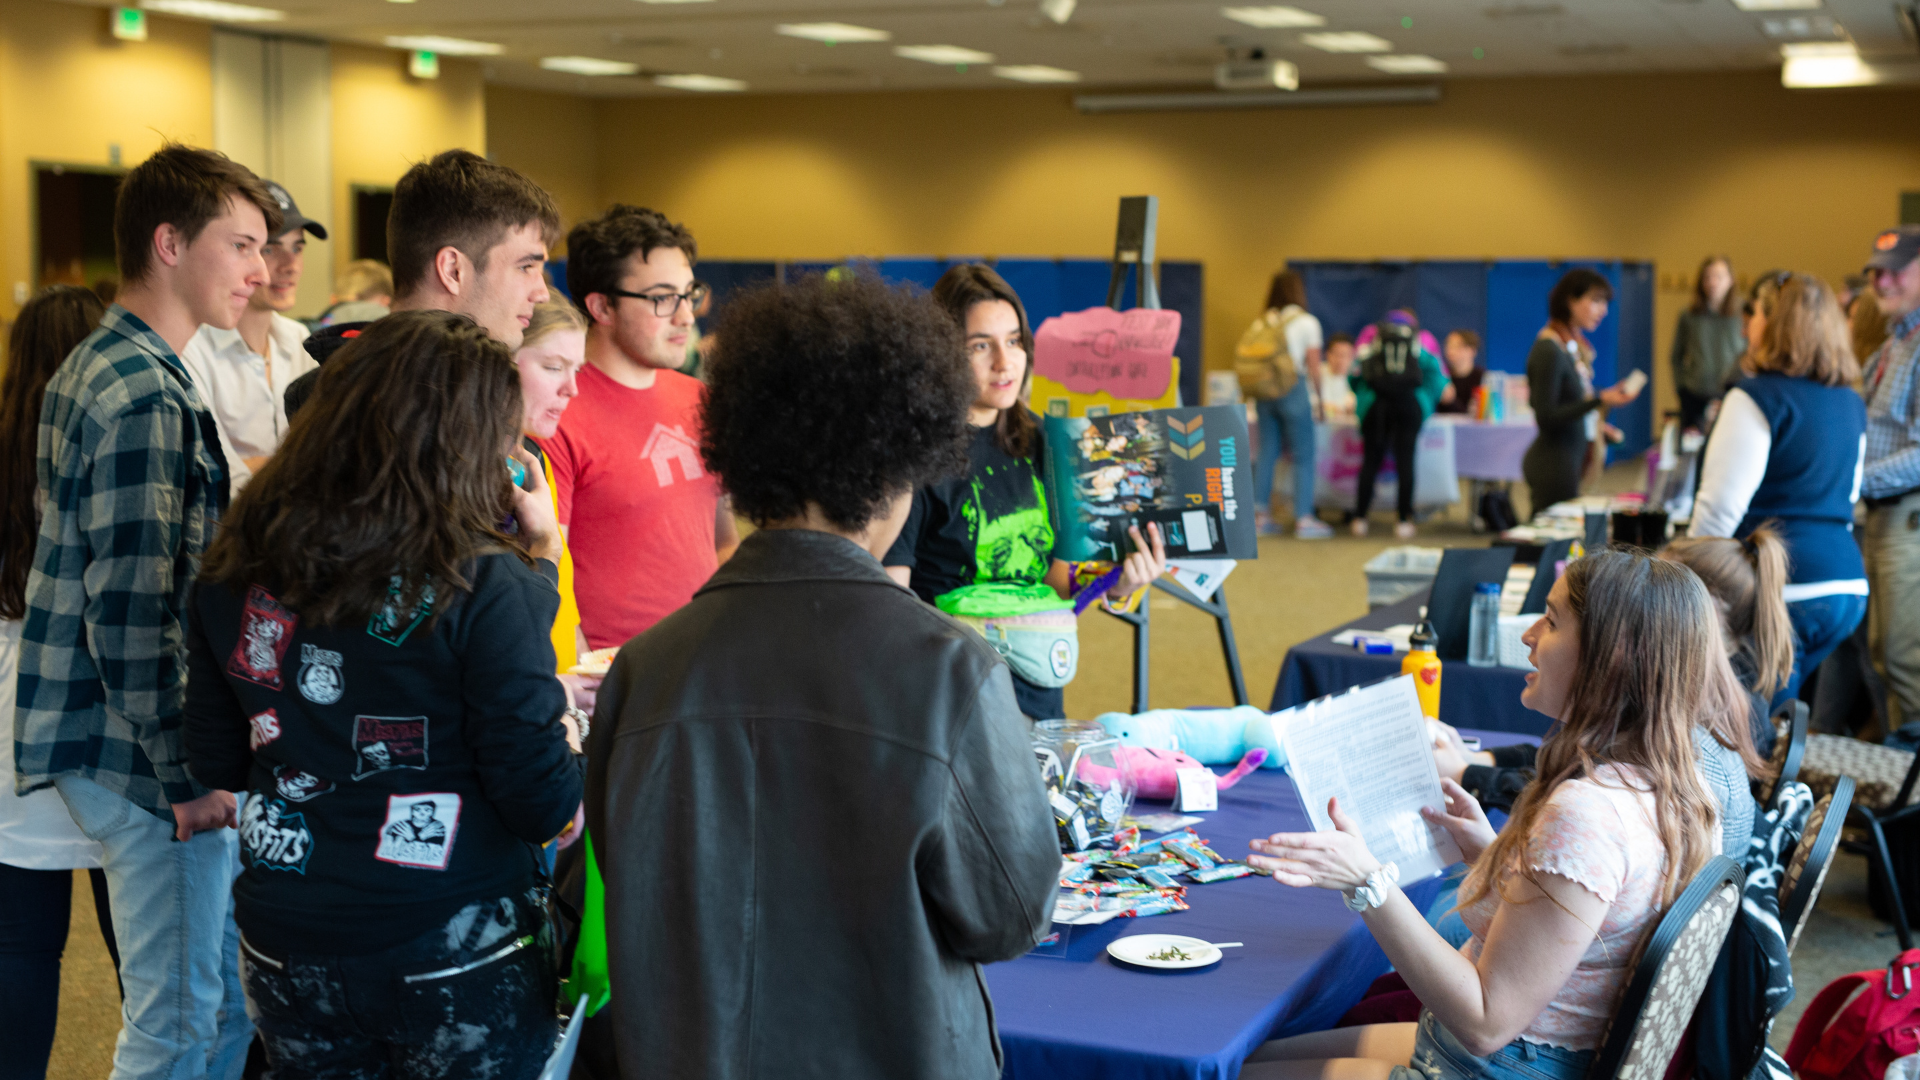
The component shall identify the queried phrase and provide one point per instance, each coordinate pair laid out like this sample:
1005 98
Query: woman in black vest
1560 386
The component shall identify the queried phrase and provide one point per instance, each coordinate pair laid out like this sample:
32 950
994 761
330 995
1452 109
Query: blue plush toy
1209 736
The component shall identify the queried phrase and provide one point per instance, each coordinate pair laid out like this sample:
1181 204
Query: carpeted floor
1294 590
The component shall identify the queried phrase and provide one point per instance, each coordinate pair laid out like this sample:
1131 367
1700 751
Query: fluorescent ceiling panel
1776 5
1273 18
949 55
704 83
1411 64
216 10
588 65
833 33
447 46
1346 41
1036 73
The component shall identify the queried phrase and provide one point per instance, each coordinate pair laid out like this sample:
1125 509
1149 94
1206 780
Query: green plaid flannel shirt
134 481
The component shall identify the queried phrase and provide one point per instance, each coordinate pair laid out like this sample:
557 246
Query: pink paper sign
1128 354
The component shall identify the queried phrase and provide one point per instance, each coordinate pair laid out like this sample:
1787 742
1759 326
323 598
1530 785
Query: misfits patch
321 679
266 629
298 785
381 743
263 729
395 620
419 830
272 838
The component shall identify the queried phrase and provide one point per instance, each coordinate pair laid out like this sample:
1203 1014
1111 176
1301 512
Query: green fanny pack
1029 625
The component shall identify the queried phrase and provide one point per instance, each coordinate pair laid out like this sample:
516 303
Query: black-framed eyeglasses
665 304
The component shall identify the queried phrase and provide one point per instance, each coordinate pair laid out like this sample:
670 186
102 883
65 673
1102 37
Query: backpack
1859 1041
1262 360
1752 979
1392 365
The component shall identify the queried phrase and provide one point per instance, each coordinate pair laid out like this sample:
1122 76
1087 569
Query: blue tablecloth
1470 697
1305 961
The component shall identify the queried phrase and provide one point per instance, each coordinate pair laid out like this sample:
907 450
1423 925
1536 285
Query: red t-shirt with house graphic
638 504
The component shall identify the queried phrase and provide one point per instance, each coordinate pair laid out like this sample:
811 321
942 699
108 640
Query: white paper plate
1139 949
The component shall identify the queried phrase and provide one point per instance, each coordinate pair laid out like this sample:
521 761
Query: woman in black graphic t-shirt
993 525
370 663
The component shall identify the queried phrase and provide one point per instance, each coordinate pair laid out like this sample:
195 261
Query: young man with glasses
643 518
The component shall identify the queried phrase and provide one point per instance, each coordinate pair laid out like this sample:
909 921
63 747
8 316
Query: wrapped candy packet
1223 872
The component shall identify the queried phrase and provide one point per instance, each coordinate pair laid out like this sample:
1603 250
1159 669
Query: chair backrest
1797 724
1672 971
1812 857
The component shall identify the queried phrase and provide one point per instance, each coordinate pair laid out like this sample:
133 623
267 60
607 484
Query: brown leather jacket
816 812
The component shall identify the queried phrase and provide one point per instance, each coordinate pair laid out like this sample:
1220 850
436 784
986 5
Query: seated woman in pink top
1628 659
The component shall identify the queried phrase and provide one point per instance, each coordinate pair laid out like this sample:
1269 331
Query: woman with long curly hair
369 661
1628 660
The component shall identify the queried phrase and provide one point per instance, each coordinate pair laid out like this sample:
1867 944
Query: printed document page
1369 748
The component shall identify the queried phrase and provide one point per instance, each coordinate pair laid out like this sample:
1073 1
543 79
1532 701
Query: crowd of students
295 617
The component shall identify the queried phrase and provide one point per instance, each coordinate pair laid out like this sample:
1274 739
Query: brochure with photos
1188 470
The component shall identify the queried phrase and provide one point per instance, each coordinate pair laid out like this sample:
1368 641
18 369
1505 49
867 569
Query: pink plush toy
1155 771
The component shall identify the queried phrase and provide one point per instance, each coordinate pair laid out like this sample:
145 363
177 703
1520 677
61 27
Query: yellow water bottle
1423 663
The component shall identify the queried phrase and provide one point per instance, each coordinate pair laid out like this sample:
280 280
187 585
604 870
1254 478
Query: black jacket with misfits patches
397 770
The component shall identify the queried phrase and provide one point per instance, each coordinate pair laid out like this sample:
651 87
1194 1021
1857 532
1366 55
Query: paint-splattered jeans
474 998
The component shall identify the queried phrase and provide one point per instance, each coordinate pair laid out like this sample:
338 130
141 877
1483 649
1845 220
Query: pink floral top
1598 833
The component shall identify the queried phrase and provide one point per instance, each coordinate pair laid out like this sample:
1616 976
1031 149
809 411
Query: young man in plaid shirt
134 481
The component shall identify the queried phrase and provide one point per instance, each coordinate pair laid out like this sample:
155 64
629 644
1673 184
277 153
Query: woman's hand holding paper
1463 819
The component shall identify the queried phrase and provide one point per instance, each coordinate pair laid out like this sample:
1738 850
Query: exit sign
129 24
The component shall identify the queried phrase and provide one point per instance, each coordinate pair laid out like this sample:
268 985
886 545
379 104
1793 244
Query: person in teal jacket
1396 386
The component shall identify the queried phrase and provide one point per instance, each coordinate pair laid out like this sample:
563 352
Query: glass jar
1090 783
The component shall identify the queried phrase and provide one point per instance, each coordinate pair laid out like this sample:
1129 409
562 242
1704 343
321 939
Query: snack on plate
597 662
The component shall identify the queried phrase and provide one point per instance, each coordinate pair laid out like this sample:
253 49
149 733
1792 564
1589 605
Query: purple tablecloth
1305 961
1491 451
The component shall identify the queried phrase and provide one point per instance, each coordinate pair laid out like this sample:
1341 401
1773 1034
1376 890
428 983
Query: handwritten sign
1128 354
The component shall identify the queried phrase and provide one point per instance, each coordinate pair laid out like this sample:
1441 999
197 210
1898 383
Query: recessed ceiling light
1273 18
949 55
1815 64
707 83
1409 64
216 10
588 65
1346 41
1776 5
1036 73
1801 27
447 46
833 33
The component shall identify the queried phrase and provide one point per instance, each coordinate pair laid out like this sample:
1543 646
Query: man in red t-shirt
643 518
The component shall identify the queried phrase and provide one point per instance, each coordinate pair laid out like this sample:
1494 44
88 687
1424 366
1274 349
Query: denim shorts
1437 1055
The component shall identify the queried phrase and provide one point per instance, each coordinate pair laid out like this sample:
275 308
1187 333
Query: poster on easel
1101 361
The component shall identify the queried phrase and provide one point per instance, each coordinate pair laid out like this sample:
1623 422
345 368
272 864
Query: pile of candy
1135 880
1085 812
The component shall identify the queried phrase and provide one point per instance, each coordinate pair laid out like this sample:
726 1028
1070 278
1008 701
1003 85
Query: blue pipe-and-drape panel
1047 287
1505 302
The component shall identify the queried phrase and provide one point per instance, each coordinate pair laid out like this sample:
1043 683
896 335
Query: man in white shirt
241 373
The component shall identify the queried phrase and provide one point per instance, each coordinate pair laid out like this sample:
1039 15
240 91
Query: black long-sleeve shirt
396 771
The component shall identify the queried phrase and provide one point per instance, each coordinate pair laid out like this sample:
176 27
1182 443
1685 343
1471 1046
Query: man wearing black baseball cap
1891 482
242 373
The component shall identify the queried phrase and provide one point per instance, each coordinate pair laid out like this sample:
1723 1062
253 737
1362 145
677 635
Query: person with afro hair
803 719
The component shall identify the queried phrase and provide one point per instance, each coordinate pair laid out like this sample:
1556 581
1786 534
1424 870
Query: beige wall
384 121
68 90
553 139
1666 168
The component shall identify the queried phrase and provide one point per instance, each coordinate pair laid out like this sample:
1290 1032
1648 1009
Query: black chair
1797 717
1812 857
1879 854
1667 982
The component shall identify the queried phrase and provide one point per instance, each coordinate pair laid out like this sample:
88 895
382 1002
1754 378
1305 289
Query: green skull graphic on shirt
1012 533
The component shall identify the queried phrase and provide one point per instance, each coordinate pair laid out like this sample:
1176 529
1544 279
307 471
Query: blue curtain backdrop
1505 302
1047 287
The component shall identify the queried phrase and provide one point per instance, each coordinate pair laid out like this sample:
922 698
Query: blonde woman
1788 448
549 359
1628 659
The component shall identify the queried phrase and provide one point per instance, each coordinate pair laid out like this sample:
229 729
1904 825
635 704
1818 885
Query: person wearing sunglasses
643 518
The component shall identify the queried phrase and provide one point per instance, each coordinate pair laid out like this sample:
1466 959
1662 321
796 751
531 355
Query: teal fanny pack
1028 625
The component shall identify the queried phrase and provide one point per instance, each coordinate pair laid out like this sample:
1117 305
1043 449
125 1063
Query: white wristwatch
1374 893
